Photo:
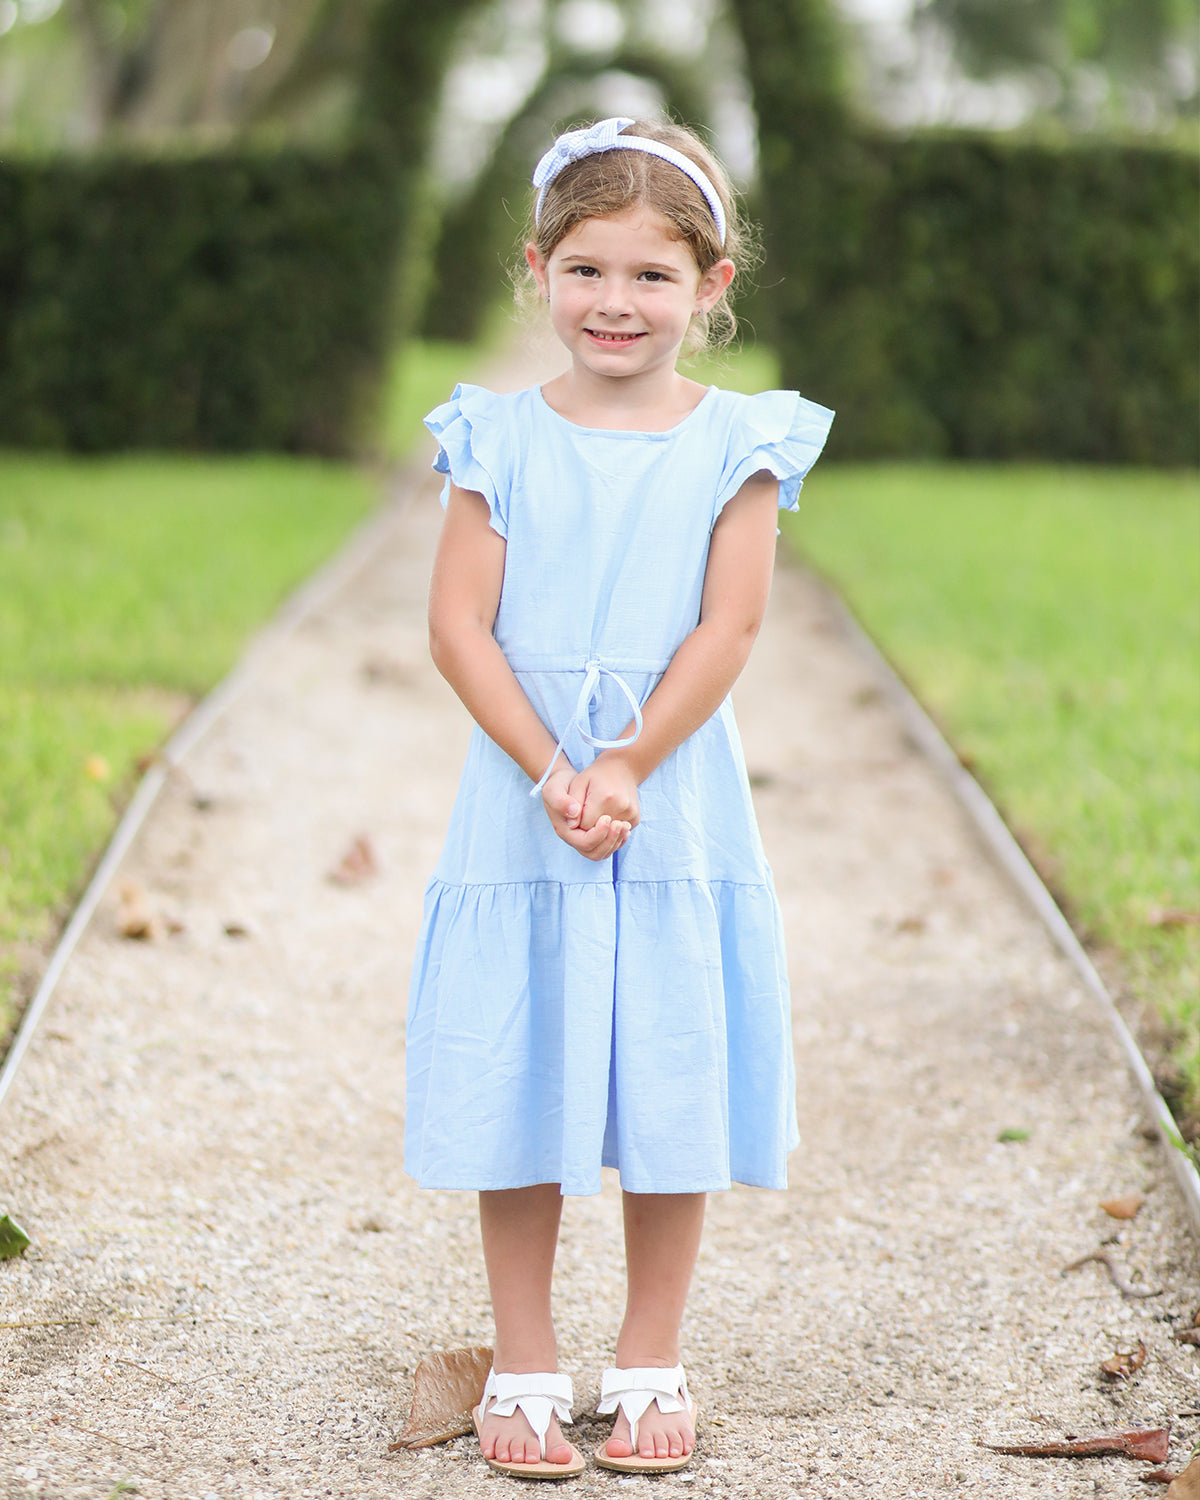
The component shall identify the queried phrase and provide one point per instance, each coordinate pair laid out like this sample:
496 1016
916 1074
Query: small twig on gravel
144 1369
92 1432
115 1315
1105 1259
55 1323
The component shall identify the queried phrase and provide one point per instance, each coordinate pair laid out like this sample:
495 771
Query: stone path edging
1012 859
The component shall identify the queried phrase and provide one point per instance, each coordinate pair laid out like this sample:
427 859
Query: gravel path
231 1280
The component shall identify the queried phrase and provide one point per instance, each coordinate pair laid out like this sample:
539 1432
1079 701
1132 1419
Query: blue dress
632 1012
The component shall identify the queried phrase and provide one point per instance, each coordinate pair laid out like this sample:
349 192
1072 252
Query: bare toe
511 1440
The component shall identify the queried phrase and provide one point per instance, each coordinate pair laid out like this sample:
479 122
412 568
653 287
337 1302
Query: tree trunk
795 54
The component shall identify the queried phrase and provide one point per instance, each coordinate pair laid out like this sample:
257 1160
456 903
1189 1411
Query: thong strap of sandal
632 1391
539 1396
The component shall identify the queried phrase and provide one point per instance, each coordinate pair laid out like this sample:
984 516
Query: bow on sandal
633 1391
539 1397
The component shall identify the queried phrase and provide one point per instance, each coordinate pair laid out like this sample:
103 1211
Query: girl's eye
653 276
586 271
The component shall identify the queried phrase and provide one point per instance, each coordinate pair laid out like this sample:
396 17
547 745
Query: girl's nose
615 301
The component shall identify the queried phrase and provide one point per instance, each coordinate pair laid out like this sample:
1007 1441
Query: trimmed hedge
977 296
229 301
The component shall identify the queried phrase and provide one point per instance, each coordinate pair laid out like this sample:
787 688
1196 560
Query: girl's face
623 292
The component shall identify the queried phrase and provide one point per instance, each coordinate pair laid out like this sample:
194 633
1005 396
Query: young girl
600 978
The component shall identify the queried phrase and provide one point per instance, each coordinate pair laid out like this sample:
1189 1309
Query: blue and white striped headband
606 135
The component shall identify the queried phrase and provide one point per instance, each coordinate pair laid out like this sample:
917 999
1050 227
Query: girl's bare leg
519 1228
662 1240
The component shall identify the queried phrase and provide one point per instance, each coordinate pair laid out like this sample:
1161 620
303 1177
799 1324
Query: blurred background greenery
81 74
237 226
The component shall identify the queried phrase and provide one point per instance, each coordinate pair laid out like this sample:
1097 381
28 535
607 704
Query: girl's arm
737 582
464 595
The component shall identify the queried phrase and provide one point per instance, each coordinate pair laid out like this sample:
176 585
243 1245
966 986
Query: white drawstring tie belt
592 674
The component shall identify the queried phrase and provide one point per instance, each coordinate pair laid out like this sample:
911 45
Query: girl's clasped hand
599 976
593 810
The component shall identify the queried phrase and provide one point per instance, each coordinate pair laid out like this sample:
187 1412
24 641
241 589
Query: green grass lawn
1050 621
128 587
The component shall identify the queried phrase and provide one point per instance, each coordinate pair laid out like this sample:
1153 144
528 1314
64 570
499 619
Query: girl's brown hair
609 182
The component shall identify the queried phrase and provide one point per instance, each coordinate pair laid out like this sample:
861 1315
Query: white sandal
539 1396
632 1391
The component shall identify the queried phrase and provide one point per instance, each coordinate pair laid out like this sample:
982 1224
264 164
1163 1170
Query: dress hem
501 885
720 1185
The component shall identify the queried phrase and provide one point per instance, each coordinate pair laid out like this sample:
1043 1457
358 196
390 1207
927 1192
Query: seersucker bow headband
606 135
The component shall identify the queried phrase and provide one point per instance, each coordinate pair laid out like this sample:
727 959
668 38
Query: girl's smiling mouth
613 338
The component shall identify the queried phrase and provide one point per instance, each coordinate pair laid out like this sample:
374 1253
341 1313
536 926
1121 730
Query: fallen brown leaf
1172 916
358 863
1124 1364
1158 1476
136 917
1124 1207
1188 1336
447 1386
388 670
1186 1486
1147 1443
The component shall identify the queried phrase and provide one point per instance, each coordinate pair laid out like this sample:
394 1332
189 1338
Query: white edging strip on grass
303 602
995 832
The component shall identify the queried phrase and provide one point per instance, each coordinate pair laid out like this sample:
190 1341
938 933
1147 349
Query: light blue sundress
634 1012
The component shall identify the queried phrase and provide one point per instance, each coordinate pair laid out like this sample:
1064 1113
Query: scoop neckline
639 432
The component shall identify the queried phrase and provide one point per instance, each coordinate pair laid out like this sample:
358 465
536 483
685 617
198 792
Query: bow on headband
605 135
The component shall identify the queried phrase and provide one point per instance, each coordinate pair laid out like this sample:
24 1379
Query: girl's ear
535 262
714 284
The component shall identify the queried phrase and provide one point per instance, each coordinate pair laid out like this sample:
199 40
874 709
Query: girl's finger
606 843
594 837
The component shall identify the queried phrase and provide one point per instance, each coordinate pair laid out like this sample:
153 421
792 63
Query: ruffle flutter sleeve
474 449
779 431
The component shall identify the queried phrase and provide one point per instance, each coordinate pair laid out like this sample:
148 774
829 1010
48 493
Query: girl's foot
645 1437
660 1435
517 1407
511 1440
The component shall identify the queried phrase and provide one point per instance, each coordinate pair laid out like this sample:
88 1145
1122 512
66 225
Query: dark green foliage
970 295
234 300
977 297
228 301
